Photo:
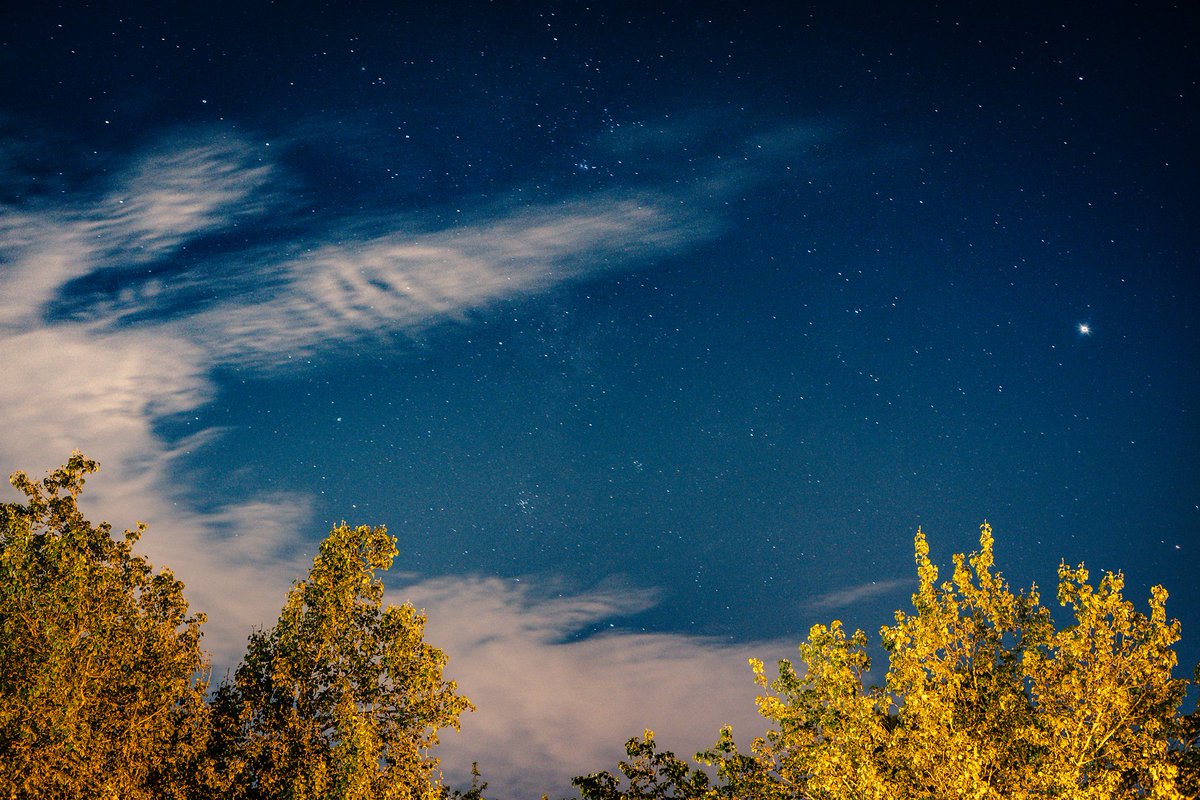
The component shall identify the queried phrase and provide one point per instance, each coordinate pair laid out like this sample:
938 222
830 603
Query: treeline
104 688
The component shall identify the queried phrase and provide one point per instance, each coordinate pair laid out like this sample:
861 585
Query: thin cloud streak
404 281
848 596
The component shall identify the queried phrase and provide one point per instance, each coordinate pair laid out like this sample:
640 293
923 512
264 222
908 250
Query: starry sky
653 330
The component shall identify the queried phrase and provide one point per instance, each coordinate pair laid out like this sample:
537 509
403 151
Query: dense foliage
342 698
983 698
101 673
104 692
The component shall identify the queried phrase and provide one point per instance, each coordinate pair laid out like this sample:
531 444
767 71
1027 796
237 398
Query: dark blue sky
665 320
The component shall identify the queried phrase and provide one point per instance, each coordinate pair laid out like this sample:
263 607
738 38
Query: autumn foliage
342 698
103 686
101 674
104 689
984 697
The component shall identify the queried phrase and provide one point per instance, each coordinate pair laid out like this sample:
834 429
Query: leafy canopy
342 698
101 672
984 697
103 689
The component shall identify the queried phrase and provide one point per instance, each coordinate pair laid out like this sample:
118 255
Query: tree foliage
650 773
103 688
101 672
342 698
984 697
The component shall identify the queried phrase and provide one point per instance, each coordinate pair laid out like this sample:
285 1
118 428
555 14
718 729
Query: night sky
652 330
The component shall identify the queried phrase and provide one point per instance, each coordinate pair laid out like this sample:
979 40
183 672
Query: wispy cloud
102 384
91 384
848 596
104 378
166 198
407 279
556 708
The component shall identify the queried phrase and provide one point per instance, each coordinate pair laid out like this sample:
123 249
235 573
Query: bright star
1084 328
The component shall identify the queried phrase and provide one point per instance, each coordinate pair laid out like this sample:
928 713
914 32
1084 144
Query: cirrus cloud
98 353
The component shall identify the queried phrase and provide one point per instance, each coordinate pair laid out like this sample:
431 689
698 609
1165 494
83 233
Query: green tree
101 672
342 698
649 773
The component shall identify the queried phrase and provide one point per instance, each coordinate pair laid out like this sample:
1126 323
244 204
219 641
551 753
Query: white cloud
408 279
165 199
104 383
551 708
848 596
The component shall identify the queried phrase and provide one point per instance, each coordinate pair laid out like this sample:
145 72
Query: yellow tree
342 698
983 698
956 673
101 689
830 728
1104 694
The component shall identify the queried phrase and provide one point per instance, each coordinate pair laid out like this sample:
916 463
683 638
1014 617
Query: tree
101 672
342 698
983 698
651 773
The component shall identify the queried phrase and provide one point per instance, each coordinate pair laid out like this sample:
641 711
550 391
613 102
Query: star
1084 329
